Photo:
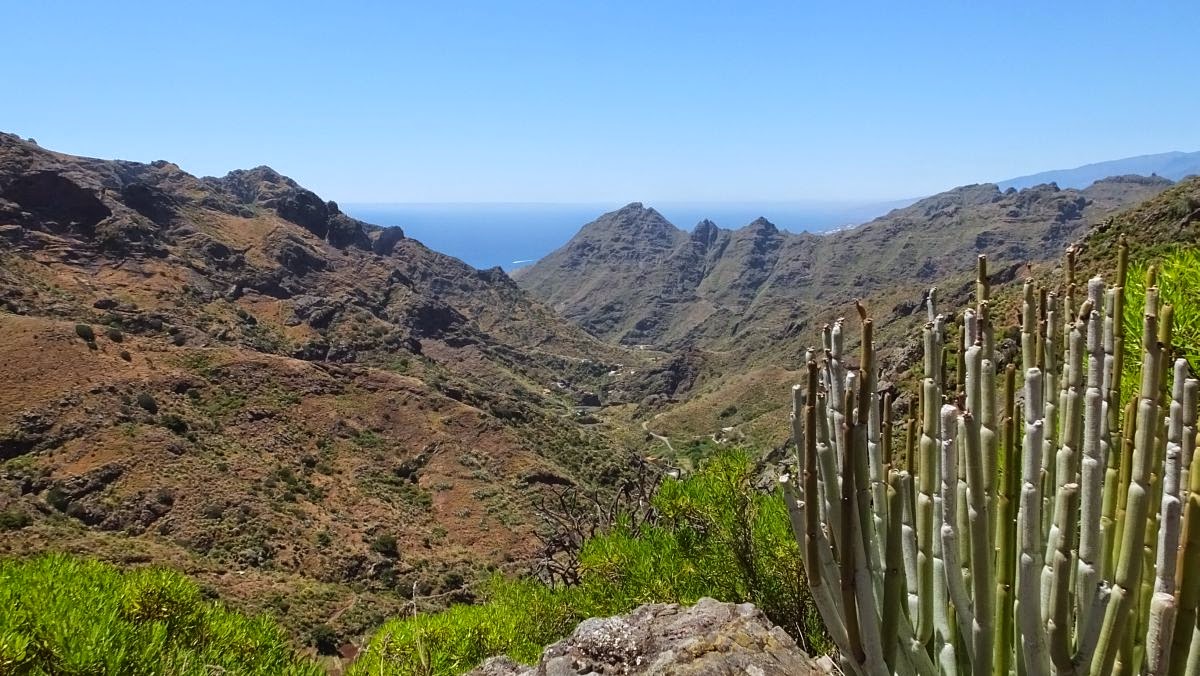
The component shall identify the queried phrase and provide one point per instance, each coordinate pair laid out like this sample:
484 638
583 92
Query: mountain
1173 166
744 305
303 410
1165 221
631 277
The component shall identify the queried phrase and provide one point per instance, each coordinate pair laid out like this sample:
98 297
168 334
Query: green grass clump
13 518
1178 278
519 618
68 615
716 536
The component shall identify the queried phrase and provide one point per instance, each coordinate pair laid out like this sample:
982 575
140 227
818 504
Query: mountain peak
634 223
761 223
705 233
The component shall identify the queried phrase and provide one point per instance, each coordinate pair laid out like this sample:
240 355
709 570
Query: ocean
510 235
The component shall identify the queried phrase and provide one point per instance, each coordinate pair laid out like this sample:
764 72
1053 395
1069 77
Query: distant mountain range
1172 165
633 277
510 235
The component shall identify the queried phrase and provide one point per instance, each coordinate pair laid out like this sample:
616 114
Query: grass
67 615
716 536
1178 277
13 518
199 362
519 619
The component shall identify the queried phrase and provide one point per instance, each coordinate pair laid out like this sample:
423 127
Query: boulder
709 638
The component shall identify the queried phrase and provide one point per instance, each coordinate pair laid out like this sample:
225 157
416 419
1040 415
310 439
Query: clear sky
571 101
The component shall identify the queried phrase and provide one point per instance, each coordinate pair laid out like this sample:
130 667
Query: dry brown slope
274 391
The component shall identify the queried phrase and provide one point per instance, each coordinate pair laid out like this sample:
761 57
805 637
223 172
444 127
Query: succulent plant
1022 531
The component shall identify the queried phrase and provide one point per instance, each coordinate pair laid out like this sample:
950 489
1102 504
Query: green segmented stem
1187 573
1074 550
847 551
1029 519
1028 328
1163 604
1158 477
893 584
982 579
873 501
1129 431
1129 564
1006 529
1091 470
951 533
1058 624
989 437
866 571
1066 466
926 485
1052 371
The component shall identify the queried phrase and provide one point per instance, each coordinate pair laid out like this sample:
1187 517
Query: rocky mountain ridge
232 376
631 277
745 304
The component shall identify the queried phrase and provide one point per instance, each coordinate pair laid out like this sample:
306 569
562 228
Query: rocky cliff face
231 375
630 277
746 303
659 639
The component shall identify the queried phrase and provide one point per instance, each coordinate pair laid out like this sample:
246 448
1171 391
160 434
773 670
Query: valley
323 419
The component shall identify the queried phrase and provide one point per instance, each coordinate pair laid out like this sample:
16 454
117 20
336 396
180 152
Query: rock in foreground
709 638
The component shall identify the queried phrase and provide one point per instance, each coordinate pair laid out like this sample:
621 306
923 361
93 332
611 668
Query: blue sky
607 101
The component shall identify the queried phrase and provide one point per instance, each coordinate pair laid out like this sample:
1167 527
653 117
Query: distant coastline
512 234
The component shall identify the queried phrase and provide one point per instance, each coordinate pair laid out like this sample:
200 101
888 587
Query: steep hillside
1172 217
630 277
1174 166
231 375
748 302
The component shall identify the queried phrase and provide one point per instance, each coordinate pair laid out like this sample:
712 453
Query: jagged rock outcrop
632 277
710 638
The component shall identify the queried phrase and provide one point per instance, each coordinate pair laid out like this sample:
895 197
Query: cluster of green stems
1033 528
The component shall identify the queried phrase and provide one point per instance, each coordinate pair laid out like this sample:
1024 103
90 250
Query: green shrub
324 539
324 639
66 615
147 402
716 536
519 618
14 519
57 498
173 422
386 545
85 332
1178 277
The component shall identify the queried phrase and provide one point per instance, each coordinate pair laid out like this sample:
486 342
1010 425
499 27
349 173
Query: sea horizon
513 234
